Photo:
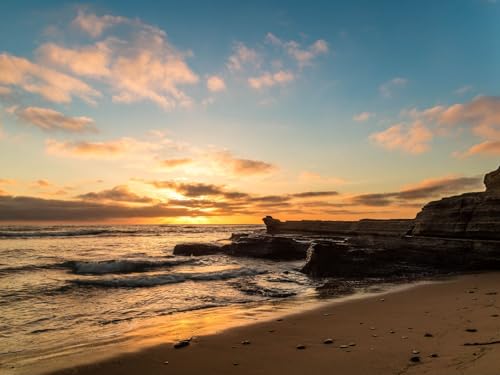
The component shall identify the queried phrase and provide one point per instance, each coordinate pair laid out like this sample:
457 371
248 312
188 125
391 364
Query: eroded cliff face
470 215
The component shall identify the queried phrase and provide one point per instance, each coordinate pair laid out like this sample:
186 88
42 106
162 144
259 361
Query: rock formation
470 215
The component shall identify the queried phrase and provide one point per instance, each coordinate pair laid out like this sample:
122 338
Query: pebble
471 330
428 335
494 316
404 337
434 355
279 320
301 347
235 364
328 341
181 344
271 331
415 351
245 342
382 299
344 346
372 328
415 359
374 335
165 363
392 331
352 344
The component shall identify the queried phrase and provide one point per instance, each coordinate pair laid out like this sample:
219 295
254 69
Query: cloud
95 25
412 139
363 116
50 84
215 84
486 148
5 91
174 163
315 194
387 89
269 80
113 149
43 183
463 90
118 193
50 120
90 61
303 56
14 209
243 167
423 191
7 181
480 116
144 66
243 56
189 189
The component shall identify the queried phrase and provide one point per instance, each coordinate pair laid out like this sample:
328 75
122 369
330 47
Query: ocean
64 289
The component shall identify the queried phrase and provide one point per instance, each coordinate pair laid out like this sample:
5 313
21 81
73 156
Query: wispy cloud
363 116
215 84
388 88
303 56
119 193
37 79
107 150
269 80
50 120
243 56
413 139
144 66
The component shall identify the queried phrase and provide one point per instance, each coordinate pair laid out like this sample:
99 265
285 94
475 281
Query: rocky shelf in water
460 233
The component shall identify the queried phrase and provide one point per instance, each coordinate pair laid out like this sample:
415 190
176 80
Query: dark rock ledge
459 233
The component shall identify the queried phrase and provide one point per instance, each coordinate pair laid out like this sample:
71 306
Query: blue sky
351 97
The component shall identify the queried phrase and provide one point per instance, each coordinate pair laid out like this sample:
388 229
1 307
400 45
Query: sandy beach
451 326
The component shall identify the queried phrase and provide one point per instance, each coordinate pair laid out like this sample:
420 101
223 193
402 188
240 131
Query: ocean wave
254 289
64 233
163 279
121 266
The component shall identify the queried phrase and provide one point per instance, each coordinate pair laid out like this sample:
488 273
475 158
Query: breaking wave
163 279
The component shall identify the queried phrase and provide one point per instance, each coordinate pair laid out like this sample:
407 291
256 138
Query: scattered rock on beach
344 346
415 359
301 347
471 330
182 344
434 355
415 351
245 342
328 341
427 334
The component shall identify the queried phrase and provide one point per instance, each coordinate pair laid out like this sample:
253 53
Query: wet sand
451 327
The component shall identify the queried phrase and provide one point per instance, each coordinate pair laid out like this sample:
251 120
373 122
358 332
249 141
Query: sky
225 112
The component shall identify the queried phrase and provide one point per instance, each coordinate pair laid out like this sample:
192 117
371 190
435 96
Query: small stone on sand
471 330
428 335
181 344
301 347
434 355
415 351
415 359
328 341
352 344
165 363
404 337
245 342
344 346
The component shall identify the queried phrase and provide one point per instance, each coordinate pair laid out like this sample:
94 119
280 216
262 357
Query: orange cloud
114 149
48 119
174 163
52 85
487 148
144 67
243 167
271 79
414 139
363 116
215 84
95 25
119 194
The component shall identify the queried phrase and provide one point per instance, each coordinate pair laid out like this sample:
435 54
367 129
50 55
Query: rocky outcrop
269 247
362 257
197 249
253 246
391 227
470 215
492 181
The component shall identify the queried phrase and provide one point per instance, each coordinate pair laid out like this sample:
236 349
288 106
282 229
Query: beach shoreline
431 319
